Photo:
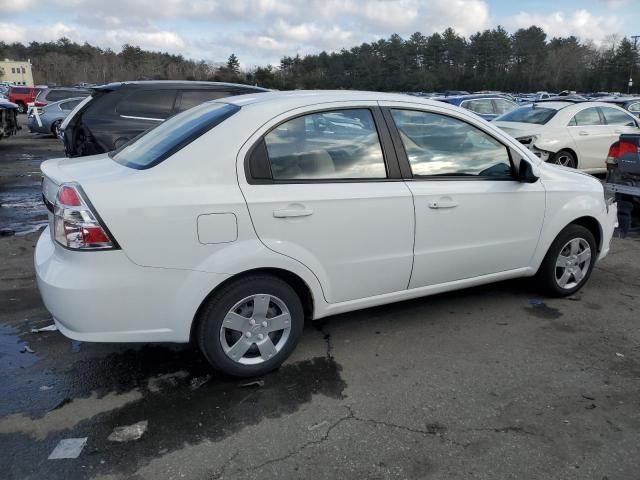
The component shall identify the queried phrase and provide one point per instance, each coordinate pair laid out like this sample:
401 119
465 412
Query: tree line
490 60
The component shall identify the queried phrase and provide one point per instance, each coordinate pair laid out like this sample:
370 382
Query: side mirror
525 172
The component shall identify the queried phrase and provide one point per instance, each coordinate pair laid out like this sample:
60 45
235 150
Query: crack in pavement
432 430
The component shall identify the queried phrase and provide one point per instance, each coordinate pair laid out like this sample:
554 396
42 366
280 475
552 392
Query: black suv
118 112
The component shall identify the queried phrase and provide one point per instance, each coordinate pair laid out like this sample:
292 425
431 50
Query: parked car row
574 134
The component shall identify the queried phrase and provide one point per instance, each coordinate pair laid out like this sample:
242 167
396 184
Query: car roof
618 99
474 96
160 84
301 98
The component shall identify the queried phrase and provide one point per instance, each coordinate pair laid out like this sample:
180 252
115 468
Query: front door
327 198
472 217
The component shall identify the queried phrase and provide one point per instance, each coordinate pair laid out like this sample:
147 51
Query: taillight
75 224
620 149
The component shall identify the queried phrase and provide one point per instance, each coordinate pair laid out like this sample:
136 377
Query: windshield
167 138
528 114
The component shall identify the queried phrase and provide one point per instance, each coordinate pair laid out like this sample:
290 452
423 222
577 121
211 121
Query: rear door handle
583 133
292 212
443 204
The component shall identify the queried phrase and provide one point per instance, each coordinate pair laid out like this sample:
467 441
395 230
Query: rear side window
480 106
169 137
152 104
503 106
57 95
635 107
192 98
438 145
586 117
529 114
68 106
340 144
616 117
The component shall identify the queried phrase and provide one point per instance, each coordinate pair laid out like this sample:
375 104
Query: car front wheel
569 261
250 326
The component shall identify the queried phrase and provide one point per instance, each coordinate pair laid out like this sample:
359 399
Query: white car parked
234 221
573 134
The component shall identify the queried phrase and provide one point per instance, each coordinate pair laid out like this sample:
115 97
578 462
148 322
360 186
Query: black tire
220 304
547 273
564 158
22 108
55 127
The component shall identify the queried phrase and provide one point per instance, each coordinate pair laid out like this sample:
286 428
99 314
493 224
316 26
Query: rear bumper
609 224
104 297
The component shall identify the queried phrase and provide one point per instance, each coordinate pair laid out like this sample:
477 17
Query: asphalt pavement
492 383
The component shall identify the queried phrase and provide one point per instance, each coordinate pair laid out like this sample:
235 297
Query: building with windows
16 72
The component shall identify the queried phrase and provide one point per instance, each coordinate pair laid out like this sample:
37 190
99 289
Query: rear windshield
167 138
528 114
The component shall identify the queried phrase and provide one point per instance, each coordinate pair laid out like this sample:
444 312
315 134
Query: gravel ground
487 383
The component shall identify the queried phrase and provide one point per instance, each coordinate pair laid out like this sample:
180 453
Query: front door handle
443 204
292 212
583 133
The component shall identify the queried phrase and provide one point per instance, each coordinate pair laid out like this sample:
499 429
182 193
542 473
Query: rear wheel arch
301 288
569 150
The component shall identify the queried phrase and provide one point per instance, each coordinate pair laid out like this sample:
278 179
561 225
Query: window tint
341 144
528 114
191 98
586 117
634 107
482 106
57 95
167 138
70 105
147 103
616 117
503 106
440 145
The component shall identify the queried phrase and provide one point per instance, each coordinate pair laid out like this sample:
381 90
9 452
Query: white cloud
10 32
580 23
168 41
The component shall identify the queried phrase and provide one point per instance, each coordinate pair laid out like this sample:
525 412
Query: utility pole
634 53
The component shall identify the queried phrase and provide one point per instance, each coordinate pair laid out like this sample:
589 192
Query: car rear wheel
250 326
569 261
565 158
55 128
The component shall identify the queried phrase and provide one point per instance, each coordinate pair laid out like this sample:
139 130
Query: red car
22 96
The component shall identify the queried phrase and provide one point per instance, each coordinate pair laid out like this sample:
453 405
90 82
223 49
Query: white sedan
572 134
233 222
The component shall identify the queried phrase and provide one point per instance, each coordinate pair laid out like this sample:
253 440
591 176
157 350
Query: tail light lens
620 149
76 225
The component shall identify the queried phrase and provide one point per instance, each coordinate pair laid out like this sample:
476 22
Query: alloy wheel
255 329
573 262
565 160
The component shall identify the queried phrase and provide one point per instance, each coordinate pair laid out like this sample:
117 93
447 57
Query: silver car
48 119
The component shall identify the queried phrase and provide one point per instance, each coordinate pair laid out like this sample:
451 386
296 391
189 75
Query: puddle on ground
22 210
542 310
183 400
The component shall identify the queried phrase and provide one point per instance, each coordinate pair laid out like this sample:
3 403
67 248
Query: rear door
138 111
619 122
592 138
323 187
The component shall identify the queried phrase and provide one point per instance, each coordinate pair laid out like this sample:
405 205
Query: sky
260 32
